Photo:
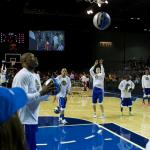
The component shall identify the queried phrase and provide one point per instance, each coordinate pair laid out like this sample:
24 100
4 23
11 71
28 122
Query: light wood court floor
79 106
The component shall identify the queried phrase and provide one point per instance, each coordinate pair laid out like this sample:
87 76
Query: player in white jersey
3 79
84 81
65 86
98 86
146 86
28 80
126 86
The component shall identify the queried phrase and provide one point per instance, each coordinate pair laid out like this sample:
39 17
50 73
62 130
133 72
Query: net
13 62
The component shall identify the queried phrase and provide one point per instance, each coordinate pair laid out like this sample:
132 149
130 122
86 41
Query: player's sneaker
63 121
102 116
94 115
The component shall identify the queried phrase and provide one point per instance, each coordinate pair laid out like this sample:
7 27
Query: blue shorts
146 92
98 94
62 102
30 135
126 102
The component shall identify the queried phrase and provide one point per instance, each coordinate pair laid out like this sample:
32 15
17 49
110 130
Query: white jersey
83 78
38 82
28 81
146 81
124 87
65 85
3 75
98 79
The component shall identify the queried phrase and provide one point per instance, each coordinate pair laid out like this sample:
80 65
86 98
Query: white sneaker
102 117
63 121
94 116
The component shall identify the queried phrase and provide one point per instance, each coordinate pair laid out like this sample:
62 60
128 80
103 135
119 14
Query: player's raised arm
102 67
92 68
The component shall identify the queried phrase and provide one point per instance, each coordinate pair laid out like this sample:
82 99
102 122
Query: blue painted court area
85 136
133 137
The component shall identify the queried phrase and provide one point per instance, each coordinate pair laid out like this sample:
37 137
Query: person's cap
11 100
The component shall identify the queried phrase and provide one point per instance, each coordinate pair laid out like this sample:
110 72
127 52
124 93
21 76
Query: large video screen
46 40
12 41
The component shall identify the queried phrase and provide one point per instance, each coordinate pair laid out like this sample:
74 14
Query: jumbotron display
46 40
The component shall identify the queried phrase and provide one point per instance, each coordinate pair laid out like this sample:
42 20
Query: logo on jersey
96 76
127 85
147 78
63 82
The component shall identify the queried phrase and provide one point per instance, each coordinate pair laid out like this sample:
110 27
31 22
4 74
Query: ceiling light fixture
90 11
98 2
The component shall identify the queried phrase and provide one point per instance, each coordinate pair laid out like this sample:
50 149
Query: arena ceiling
125 14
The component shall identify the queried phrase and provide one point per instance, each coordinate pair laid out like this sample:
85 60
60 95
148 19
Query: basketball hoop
13 63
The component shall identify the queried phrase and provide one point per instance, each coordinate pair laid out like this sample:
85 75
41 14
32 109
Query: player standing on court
98 86
65 86
126 86
27 80
146 86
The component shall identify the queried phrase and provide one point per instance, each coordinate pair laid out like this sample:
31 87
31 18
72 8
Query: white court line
89 137
66 142
121 137
66 125
108 139
99 131
130 130
43 144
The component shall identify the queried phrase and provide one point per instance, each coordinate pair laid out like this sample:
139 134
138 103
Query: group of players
126 86
28 80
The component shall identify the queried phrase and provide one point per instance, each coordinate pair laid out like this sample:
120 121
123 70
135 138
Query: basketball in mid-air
55 87
102 20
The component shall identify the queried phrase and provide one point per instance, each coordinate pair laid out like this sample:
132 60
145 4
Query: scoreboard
12 41
11 37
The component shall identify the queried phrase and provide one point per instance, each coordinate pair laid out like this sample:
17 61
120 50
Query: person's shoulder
59 76
130 81
22 73
68 77
123 81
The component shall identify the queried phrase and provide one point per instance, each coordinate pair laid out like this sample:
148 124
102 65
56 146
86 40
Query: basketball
57 110
101 20
55 87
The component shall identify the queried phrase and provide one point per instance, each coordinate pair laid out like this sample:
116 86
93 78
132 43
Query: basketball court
85 132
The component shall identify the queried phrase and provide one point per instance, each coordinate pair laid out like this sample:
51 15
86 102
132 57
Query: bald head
29 61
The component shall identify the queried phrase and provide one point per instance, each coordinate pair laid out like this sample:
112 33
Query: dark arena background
31 26
128 32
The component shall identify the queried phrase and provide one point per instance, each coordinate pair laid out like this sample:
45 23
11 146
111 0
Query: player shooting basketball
98 86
